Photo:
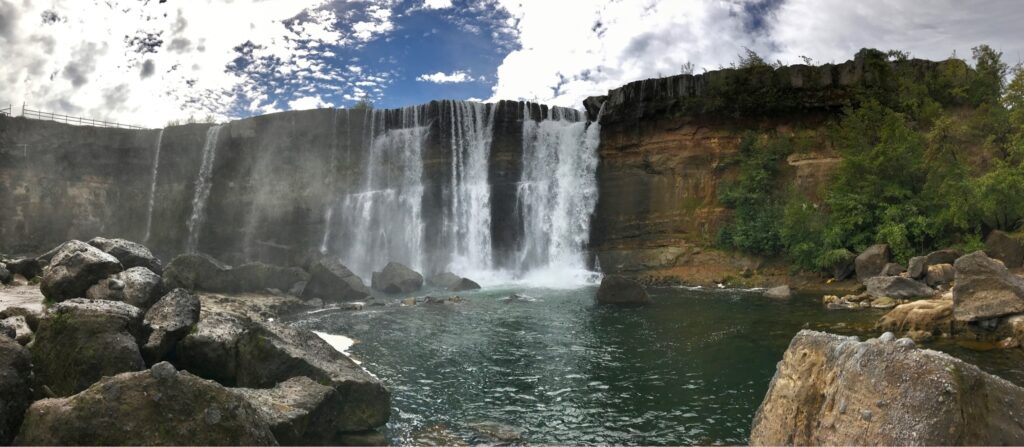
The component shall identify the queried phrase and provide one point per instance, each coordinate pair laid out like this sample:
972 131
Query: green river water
690 369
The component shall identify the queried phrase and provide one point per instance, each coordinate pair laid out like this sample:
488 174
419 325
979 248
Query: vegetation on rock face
930 158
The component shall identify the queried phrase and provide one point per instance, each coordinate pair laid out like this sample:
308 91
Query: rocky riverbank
113 347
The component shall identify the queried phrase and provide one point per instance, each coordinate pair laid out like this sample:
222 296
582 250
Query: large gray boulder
15 387
79 341
985 289
918 266
1006 248
940 275
167 322
396 278
833 390
331 281
211 349
892 269
159 406
271 353
74 268
452 282
195 271
137 286
18 327
257 276
897 287
870 262
782 292
27 267
622 291
299 411
6 277
130 254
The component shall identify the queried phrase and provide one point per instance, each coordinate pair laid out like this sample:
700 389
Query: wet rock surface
137 286
129 254
985 289
834 390
75 267
396 278
160 406
15 387
299 411
620 290
167 322
79 341
331 281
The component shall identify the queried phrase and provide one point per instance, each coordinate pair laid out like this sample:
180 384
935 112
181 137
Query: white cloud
308 102
437 4
630 40
148 62
441 77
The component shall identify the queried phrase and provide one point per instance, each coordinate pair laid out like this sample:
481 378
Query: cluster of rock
986 304
888 284
130 352
834 390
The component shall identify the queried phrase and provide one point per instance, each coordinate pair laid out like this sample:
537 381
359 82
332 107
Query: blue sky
150 61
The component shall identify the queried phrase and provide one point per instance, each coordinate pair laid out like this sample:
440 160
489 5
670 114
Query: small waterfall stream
152 184
202 188
468 218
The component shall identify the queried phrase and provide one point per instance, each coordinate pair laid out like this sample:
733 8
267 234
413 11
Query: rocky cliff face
665 144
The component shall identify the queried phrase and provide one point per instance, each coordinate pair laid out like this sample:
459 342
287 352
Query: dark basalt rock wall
274 177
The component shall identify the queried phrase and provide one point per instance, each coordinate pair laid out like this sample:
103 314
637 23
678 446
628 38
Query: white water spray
202 188
152 184
468 220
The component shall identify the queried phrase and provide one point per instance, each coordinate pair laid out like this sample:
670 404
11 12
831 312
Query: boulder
985 289
15 387
464 284
270 353
892 269
922 318
396 278
870 262
844 268
918 266
444 280
211 349
833 390
1006 248
31 316
780 292
130 254
79 341
897 287
75 268
167 322
940 275
299 411
6 277
159 406
195 271
18 326
27 267
620 290
137 286
257 276
331 281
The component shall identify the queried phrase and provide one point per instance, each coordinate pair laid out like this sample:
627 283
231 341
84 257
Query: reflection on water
690 369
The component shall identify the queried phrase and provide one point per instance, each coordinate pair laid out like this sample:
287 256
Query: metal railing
66 119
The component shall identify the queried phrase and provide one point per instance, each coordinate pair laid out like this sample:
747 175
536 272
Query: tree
990 73
363 104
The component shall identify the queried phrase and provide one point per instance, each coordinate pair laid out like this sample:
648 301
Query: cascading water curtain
468 214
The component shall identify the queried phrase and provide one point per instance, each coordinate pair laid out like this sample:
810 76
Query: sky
150 62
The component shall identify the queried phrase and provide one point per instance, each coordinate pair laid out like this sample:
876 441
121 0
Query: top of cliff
764 89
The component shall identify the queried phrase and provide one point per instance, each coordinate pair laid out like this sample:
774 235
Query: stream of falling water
202 188
468 218
152 184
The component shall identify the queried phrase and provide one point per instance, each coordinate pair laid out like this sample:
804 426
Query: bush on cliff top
927 161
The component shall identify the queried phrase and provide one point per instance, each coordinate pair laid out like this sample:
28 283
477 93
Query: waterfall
468 217
152 184
383 221
557 193
202 188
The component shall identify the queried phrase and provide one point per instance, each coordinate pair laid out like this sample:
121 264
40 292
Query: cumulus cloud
437 4
441 77
309 102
